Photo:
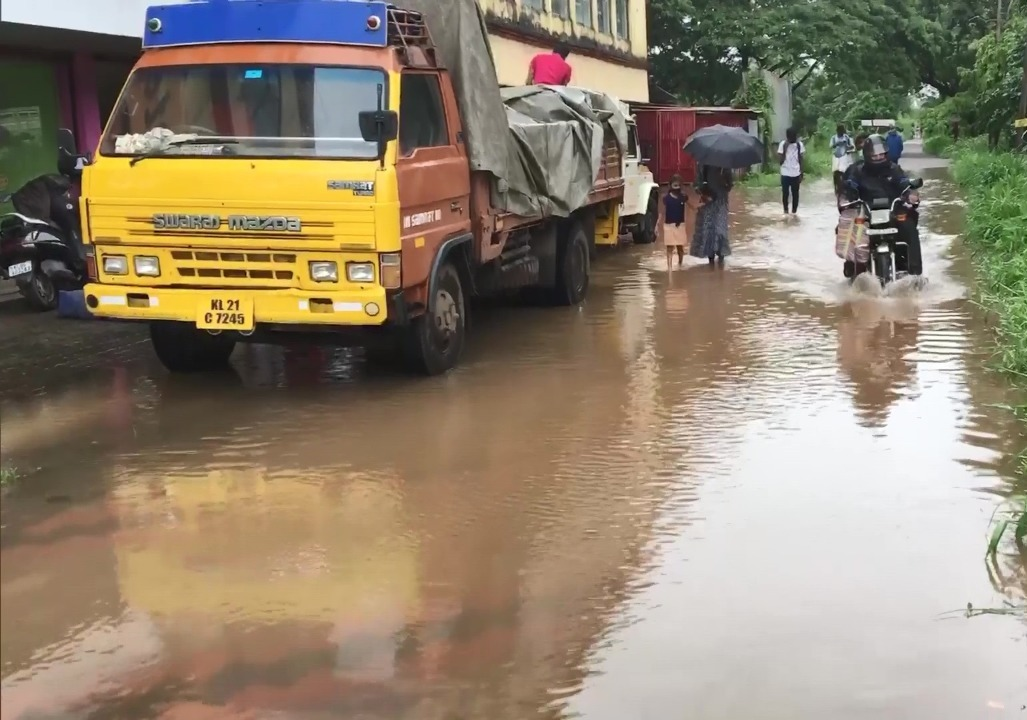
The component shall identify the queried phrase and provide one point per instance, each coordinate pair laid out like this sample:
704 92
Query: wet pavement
744 493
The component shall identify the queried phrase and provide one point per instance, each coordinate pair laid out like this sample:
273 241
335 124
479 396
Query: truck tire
181 348
645 234
572 267
435 340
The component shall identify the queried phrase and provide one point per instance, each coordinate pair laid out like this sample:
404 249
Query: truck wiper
205 140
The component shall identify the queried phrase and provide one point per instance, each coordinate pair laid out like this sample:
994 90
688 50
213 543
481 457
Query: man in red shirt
550 68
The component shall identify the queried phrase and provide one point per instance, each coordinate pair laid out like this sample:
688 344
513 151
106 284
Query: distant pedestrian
895 144
673 229
791 153
842 148
550 68
711 226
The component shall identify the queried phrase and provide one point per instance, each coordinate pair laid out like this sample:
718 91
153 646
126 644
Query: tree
996 77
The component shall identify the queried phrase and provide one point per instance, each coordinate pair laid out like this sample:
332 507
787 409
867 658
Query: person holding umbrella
711 223
719 150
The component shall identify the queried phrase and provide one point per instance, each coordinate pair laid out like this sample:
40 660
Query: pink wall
87 110
62 74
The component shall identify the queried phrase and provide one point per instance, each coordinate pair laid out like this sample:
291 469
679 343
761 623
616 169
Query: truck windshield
283 110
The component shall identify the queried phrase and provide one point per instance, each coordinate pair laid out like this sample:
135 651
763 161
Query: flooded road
742 493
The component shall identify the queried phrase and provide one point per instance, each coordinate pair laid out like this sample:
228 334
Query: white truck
640 211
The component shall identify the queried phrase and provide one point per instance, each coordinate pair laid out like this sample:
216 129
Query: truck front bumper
366 306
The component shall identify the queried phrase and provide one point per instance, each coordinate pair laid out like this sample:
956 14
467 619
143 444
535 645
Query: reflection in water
874 356
741 491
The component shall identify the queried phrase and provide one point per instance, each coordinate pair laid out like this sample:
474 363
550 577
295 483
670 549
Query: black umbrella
725 147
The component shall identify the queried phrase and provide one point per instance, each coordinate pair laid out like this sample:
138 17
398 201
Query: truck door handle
455 207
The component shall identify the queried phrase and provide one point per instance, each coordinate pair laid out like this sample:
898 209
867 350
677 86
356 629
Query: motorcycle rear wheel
40 292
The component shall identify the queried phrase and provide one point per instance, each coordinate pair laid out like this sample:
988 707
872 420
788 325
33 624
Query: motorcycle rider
875 178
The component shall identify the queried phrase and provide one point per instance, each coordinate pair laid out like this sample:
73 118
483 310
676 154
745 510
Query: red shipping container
663 131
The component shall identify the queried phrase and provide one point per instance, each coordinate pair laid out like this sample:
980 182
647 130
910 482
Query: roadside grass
938 145
8 475
995 188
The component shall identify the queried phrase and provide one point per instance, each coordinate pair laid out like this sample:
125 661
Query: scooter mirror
66 141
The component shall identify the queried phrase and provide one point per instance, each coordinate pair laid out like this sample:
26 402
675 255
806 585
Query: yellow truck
282 168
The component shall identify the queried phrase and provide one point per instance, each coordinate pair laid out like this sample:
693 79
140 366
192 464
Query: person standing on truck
550 68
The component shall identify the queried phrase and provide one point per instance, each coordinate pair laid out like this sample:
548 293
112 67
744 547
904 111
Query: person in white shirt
791 153
842 149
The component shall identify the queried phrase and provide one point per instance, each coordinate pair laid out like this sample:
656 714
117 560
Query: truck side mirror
66 141
379 125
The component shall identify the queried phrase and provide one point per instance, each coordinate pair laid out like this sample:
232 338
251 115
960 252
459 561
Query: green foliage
8 475
996 188
939 145
1012 516
991 81
994 79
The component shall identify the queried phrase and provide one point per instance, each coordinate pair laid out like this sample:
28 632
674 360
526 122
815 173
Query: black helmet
875 151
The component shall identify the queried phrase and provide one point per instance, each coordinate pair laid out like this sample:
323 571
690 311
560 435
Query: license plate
225 312
882 231
22 268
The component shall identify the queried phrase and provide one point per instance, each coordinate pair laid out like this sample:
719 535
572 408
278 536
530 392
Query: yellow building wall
546 26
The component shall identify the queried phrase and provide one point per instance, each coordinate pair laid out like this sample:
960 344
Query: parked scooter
41 242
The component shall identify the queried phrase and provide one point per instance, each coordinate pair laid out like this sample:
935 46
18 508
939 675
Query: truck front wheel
435 340
181 348
645 233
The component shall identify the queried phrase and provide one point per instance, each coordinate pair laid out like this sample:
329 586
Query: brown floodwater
753 492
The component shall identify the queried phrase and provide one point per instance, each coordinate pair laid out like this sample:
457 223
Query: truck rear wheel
572 267
435 340
181 348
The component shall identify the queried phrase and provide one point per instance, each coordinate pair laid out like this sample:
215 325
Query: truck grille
201 266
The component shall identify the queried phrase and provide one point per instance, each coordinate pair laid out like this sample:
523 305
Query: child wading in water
673 230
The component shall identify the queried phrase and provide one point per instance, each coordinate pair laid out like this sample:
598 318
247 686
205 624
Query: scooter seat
24 218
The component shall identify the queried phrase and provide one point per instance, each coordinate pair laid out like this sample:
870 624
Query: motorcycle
41 246
882 218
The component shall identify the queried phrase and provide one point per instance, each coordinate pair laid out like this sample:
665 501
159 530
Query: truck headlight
115 264
360 272
146 266
324 272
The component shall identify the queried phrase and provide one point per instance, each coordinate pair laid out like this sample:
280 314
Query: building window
622 18
536 5
583 12
605 24
422 117
562 9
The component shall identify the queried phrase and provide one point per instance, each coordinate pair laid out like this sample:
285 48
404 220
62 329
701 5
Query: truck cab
640 211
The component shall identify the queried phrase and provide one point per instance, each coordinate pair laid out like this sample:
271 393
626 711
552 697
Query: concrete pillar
87 108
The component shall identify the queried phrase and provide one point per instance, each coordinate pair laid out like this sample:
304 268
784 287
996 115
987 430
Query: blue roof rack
343 22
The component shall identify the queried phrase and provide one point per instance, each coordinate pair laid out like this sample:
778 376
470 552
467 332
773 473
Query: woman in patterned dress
711 225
